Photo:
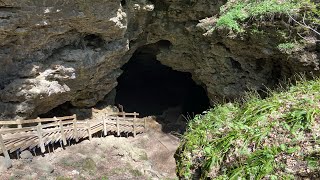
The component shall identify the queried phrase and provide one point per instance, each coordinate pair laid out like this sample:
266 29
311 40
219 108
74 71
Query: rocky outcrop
58 51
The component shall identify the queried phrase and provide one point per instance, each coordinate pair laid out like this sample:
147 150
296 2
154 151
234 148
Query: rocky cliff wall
57 51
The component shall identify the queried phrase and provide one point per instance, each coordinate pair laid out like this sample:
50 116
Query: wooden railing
23 134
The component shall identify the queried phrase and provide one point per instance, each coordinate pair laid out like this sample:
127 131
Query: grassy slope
275 138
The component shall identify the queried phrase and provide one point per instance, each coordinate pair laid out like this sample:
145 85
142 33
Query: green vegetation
288 47
235 14
63 178
104 178
273 138
86 165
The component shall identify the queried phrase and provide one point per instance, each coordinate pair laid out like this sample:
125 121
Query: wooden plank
7 137
89 131
134 126
38 120
15 130
14 142
57 124
27 143
127 123
105 125
4 150
118 127
63 136
41 143
48 138
18 145
75 128
121 114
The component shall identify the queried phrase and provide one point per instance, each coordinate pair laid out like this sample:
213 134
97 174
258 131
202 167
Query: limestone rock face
57 51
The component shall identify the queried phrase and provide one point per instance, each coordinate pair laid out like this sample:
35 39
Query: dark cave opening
150 88
123 3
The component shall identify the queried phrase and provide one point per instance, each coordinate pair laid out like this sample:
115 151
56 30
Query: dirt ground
147 156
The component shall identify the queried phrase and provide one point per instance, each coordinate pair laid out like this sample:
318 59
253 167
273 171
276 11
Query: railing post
75 128
134 124
5 151
89 131
19 123
145 123
63 136
118 126
41 143
105 125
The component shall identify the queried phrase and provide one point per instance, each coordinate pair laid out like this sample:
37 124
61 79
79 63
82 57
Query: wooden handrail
14 130
52 130
122 113
36 120
125 119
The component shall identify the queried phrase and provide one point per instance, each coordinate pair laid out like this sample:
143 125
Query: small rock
26 155
75 172
152 173
44 167
82 156
86 142
4 164
58 149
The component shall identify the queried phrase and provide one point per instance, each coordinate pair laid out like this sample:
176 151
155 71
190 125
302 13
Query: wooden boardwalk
41 132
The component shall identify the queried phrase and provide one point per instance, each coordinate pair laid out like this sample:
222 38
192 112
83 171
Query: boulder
26 155
43 166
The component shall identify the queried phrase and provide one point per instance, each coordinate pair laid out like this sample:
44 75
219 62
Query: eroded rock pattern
57 51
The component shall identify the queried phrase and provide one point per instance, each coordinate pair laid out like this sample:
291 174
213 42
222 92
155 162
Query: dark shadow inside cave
150 88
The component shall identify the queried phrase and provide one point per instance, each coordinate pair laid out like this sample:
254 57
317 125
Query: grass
63 178
235 14
256 139
286 47
85 165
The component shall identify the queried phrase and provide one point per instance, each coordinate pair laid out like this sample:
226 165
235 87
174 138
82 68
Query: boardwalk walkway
41 132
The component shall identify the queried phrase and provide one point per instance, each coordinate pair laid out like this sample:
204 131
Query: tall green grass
252 140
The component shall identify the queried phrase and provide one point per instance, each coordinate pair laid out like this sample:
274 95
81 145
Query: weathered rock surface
26 156
58 51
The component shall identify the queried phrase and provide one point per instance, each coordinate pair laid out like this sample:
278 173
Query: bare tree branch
304 24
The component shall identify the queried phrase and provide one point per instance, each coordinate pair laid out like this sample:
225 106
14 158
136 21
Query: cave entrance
150 88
